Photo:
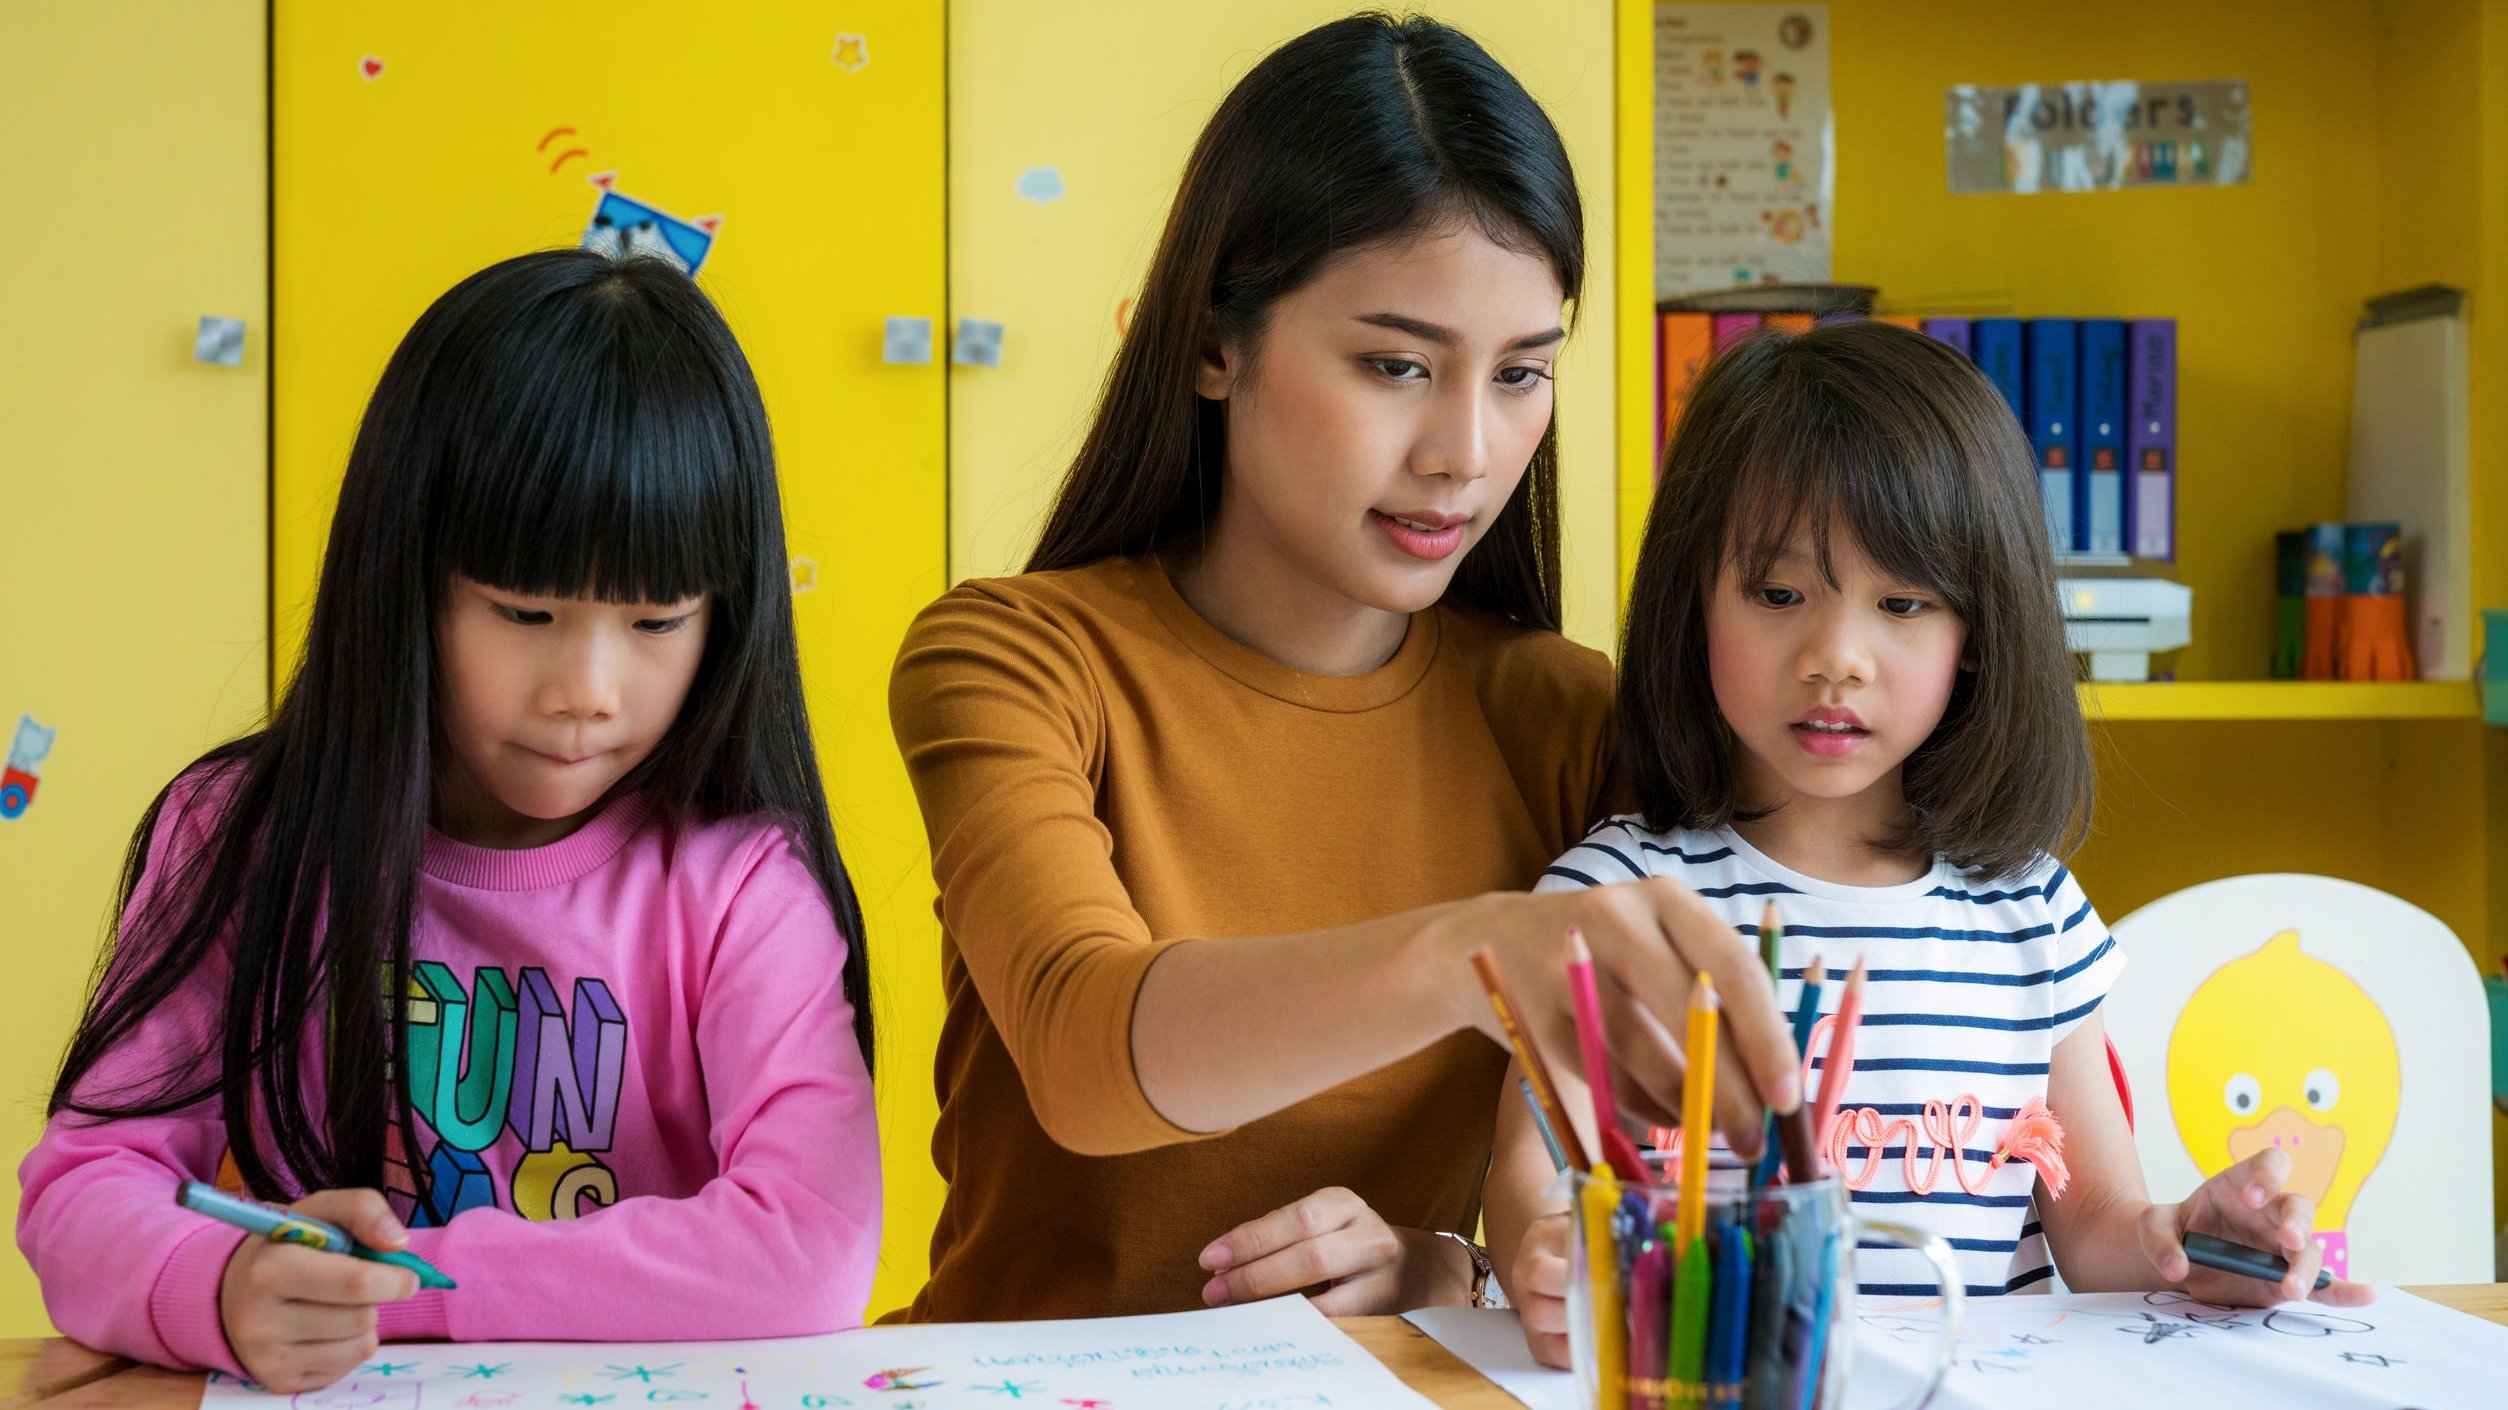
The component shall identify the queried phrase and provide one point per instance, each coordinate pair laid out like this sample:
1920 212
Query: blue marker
282 1226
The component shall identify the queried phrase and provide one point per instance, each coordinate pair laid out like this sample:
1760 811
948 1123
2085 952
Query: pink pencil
1617 1149
1841 1055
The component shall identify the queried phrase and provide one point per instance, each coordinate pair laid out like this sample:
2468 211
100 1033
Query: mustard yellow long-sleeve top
1103 773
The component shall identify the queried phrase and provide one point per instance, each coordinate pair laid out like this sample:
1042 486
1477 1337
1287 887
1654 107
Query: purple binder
2151 438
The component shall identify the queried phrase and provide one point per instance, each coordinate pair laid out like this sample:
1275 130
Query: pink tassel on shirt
2037 1137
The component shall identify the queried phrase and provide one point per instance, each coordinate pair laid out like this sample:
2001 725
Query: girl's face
546 702
1828 688
1390 411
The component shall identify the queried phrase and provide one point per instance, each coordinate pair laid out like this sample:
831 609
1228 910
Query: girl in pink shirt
519 938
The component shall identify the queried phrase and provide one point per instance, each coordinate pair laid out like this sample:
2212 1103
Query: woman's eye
661 626
523 616
1775 596
1904 606
1399 369
1521 379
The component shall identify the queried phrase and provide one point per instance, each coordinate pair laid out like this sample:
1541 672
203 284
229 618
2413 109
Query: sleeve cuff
421 1318
183 1305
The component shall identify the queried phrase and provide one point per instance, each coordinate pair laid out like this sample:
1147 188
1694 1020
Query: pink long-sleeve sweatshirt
638 1090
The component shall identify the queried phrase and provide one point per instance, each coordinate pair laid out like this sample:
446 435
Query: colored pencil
1698 1094
1841 1055
1601 1208
1806 1013
1541 1123
1510 1019
1594 1053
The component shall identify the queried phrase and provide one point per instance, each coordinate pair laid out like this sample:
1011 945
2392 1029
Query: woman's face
1385 417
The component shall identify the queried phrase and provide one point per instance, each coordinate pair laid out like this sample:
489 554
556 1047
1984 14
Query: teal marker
282 1226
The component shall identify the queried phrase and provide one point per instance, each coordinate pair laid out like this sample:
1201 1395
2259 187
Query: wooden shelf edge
2119 702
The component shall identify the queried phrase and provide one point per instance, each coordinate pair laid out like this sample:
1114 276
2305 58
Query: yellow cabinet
131 474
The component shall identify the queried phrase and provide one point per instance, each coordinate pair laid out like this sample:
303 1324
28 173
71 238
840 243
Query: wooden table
62 1375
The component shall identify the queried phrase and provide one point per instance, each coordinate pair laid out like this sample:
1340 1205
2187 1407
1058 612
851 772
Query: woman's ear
1214 373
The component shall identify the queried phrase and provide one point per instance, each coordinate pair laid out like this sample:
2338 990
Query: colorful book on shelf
2052 392
1953 331
1790 322
2099 486
2151 438
1731 328
1995 346
1683 344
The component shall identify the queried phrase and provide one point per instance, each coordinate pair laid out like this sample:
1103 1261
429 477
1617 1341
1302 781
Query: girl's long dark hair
1885 434
1364 130
560 423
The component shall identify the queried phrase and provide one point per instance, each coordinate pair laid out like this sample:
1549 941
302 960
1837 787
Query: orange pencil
1528 1057
1841 1055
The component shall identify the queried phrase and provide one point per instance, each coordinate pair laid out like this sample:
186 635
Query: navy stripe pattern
1969 985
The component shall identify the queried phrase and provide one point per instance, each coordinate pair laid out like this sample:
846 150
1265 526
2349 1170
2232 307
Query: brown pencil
1528 1057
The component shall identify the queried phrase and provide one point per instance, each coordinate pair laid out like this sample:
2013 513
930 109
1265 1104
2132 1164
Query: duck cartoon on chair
2244 1077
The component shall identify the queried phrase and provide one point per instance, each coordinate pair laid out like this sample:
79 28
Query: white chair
2343 1024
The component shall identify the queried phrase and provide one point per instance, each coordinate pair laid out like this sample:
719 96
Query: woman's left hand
1332 1239
2245 1204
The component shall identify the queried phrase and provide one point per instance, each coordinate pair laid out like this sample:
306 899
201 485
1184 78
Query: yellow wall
131 477
1111 93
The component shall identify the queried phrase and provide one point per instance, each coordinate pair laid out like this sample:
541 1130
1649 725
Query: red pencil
1617 1149
1841 1054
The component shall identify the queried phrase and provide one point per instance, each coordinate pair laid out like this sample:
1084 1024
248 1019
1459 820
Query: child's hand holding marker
2245 1204
299 1318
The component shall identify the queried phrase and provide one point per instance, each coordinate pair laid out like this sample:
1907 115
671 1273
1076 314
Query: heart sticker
371 67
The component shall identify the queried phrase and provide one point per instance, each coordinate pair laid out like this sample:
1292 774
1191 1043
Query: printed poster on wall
2096 136
1744 147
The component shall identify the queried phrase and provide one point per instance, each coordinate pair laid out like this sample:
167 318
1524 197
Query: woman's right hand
1536 1283
1649 940
299 1318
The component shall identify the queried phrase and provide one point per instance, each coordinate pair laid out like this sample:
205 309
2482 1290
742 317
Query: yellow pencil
1602 1269
1698 1094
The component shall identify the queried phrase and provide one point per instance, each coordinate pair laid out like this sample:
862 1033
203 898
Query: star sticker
805 574
853 52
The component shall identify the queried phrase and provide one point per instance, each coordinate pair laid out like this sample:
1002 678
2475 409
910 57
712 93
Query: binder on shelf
1683 344
1954 331
1791 322
2151 438
1995 346
1731 328
2052 398
2099 486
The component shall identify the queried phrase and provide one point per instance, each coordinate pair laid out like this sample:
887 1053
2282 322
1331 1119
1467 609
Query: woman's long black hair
1363 130
560 423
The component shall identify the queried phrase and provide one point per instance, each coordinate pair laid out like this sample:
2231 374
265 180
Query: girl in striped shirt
1845 687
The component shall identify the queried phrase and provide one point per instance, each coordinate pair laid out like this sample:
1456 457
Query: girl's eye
1521 379
1775 596
661 626
523 616
1905 606
1399 369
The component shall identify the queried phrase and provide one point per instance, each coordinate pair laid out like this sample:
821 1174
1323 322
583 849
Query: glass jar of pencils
1748 1307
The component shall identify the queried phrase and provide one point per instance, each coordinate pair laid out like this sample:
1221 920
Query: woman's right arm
1126 1042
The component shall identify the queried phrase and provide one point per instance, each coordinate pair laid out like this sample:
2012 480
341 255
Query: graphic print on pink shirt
506 1064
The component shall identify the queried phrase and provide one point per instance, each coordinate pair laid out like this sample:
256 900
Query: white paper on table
2100 1351
1490 1340
1275 1355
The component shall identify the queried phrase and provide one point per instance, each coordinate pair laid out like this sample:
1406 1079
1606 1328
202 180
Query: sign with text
2097 136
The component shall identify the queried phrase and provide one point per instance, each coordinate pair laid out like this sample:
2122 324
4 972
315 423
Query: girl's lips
1828 744
1419 543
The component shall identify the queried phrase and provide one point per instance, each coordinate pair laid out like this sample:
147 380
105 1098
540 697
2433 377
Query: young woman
1224 790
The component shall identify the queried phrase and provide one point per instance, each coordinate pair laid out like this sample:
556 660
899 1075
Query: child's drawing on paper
2243 1077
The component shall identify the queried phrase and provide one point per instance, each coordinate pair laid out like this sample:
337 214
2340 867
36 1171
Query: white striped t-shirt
1968 988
